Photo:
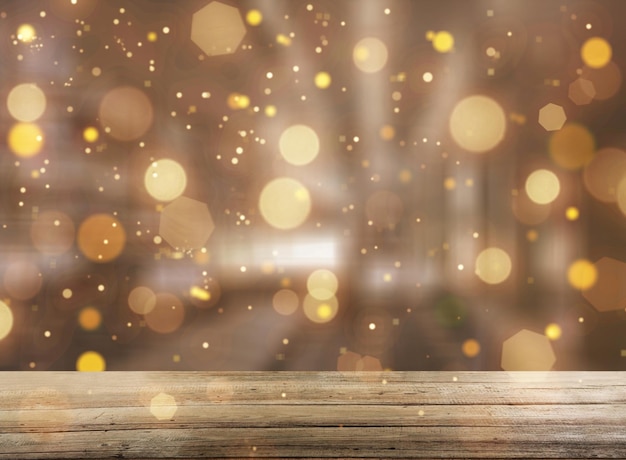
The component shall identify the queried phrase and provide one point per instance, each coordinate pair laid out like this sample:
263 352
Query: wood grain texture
65 415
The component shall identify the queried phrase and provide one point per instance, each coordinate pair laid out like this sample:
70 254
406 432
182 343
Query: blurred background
312 185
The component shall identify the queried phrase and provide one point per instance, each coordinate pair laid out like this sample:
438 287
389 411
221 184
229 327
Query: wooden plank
313 414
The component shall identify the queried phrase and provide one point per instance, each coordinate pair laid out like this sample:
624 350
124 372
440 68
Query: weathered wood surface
414 415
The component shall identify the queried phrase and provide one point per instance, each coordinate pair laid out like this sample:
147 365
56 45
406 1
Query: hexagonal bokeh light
186 223
527 351
217 29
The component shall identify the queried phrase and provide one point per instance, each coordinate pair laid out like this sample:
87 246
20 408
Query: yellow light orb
91 134
443 42
270 111
542 186
89 318
320 311
572 147
6 320
572 213
25 139
26 33
254 17
596 52
370 55
322 284
493 265
152 36
582 274
26 102
285 203
165 180
299 145
470 348
101 238
237 101
90 361
553 331
477 124
322 80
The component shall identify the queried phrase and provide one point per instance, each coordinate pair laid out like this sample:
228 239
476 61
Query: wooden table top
177 415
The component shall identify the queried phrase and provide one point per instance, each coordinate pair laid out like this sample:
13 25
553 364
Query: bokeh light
91 134
527 351
322 284
553 331
218 29
443 41
299 145
582 274
163 406
542 186
126 113
322 80
101 238
6 320
285 302
254 17
52 232
167 315
26 33
477 124
320 311
142 300
26 102
552 117
89 318
370 55
604 173
596 52
22 279
285 203
165 180
470 348
186 223
581 91
90 361
25 139
493 265
608 291
572 147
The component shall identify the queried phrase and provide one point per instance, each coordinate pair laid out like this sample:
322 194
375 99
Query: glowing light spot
237 101
572 147
285 203
443 42
527 351
427 77
89 318
163 406
186 223
320 311
141 300
6 320
101 238
91 134
152 36
581 91
67 293
22 279
254 17
26 102
470 348
552 117
370 55
596 52
218 29
165 180
542 186
553 331
270 111
493 265
572 213
126 113
582 274
285 302
25 139
477 124
167 315
90 361
322 80
387 132
322 284
299 145
199 293
603 174
26 33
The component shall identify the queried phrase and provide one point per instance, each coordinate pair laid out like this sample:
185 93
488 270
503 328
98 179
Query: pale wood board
66 415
